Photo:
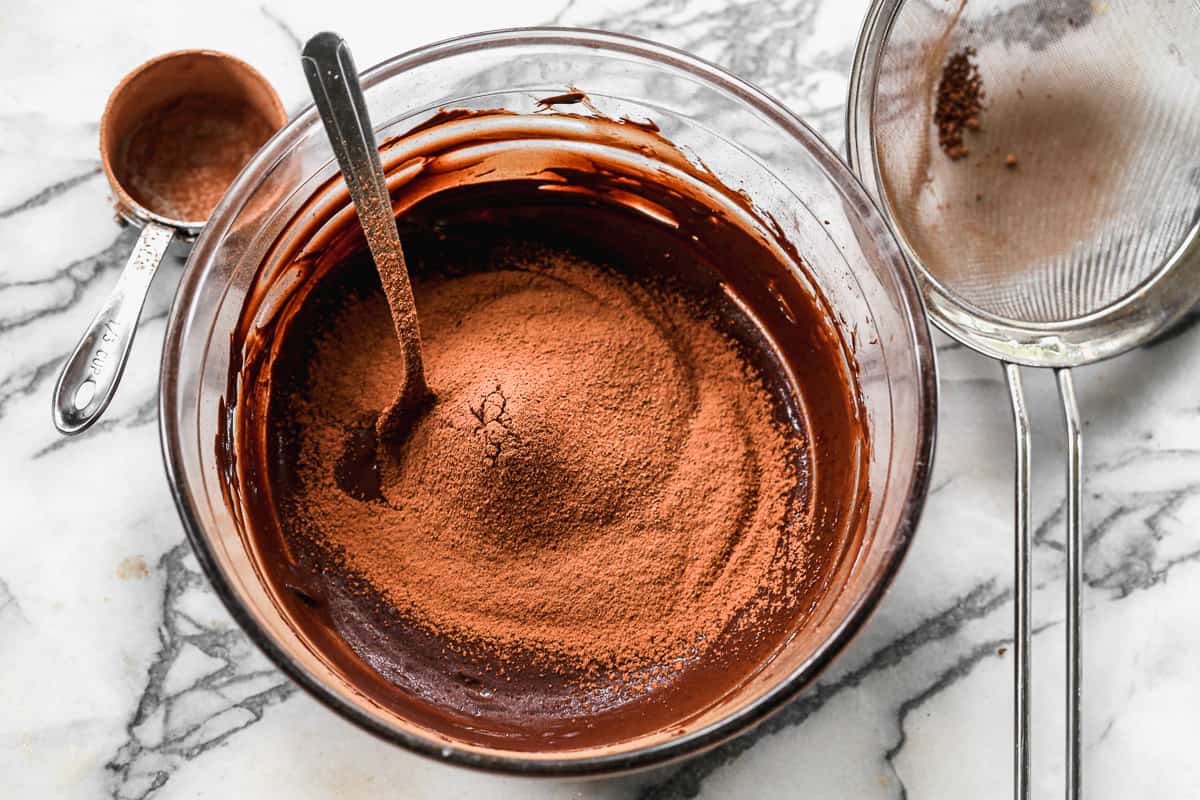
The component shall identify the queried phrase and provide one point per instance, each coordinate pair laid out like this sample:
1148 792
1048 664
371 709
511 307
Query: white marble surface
123 677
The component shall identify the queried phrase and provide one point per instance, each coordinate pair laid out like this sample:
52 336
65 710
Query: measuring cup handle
90 376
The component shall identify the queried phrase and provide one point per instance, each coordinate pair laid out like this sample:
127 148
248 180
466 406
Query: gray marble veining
125 678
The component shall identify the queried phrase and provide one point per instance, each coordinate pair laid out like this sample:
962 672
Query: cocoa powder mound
601 482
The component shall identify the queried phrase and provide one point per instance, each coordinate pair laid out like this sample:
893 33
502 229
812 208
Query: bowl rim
774 698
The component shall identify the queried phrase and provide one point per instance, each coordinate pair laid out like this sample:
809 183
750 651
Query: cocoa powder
959 102
182 157
682 450
601 480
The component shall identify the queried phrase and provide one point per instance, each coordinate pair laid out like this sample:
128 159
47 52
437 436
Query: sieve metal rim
1165 295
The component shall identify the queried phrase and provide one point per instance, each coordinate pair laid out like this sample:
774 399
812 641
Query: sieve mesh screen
1100 106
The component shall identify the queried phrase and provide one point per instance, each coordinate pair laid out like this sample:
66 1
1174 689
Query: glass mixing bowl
751 143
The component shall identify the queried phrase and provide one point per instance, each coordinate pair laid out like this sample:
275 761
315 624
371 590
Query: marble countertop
124 677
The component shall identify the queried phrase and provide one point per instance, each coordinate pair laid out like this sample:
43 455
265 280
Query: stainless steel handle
1023 617
90 377
333 80
1022 634
1066 391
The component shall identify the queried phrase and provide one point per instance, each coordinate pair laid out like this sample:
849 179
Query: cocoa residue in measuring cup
182 157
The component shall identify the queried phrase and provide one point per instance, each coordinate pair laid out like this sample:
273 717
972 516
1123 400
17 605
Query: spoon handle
90 376
333 80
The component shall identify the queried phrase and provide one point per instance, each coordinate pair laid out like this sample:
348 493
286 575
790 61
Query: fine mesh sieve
1067 234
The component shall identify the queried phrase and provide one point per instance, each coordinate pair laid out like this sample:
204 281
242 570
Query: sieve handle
90 377
1066 392
1022 617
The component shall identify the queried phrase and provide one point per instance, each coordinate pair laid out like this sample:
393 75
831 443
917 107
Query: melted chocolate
463 184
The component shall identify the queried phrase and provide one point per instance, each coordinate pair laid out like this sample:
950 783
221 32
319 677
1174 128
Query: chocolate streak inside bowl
467 651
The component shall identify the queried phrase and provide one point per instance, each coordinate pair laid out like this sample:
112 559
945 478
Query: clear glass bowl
751 143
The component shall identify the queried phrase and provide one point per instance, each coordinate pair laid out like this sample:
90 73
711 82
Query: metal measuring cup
91 374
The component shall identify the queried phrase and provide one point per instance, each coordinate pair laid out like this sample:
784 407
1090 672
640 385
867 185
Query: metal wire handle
1022 608
1066 392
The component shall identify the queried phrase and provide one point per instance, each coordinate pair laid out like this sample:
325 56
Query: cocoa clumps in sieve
181 158
601 483
959 102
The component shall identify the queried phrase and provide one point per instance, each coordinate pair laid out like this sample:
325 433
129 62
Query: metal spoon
333 80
